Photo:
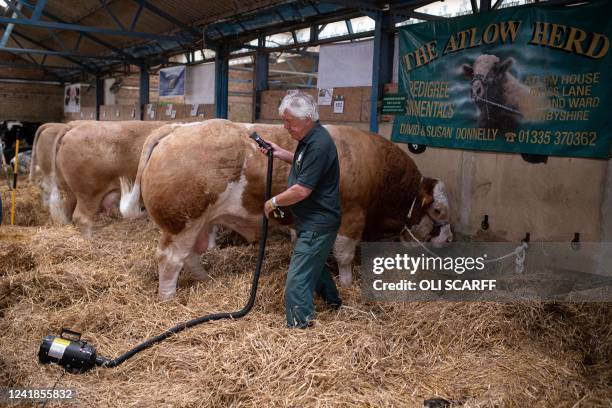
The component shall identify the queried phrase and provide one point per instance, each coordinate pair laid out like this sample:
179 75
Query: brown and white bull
41 159
193 177
90 158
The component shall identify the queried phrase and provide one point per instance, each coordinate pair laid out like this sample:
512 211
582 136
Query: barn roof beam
40 5
55 53
112 15
289 47
190 31
26 64
30 57
363 4
136 17
39 44
9 28
87 29
86 35
288 26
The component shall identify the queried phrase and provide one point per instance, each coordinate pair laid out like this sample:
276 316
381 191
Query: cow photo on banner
172 81
533 79
72 98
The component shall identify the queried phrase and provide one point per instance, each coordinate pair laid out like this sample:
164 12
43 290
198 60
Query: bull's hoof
199 276
346 279
166 296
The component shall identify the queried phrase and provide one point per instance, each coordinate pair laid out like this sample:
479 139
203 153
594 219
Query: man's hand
278 152
268 208
275 147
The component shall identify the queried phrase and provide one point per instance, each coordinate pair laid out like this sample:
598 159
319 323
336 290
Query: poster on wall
325 96
72 98
532 79
172 81
200 84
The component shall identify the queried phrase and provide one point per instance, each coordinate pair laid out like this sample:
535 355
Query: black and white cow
11 130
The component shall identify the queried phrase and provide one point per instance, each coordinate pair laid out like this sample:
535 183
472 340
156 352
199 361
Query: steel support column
221 81
260 77
382 68
144 88
99 94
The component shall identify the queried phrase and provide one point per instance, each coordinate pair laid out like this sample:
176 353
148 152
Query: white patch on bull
439 194
56 207
445 236
171 260
344 252
212 237
229 211
129 204
9 125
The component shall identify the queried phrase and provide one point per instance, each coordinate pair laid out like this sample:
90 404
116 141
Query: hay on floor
365 354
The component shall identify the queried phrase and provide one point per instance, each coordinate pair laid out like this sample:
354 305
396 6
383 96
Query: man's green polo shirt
315 166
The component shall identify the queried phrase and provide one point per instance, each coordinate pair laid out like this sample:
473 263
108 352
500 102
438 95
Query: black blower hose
105 362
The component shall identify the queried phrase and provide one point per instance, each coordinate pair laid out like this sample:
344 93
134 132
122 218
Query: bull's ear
502 67
468 71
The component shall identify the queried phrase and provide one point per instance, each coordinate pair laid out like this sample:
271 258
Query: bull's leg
171 254
45 186
69 204
344 252
350 231
192 263
83 216
169 264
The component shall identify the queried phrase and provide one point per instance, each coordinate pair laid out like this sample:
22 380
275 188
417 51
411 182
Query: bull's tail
129 205
56 207
33 155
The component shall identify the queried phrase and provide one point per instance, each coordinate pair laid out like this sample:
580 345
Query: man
313 196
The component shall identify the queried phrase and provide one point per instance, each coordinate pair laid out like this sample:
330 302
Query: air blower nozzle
69 351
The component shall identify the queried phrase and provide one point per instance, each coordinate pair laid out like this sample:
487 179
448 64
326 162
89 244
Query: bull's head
428 218
486 70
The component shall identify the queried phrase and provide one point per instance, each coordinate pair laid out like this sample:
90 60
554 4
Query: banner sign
530 79
172 81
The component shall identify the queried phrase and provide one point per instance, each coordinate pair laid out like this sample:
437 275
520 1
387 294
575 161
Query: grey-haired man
313 196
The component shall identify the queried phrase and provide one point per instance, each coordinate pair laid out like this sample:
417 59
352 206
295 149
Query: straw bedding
365 354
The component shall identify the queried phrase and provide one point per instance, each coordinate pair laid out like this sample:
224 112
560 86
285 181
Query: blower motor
69 351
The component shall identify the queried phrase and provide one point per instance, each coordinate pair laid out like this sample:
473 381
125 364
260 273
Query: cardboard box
106 112
171 112
204 111
70 116
352 106
130 112
87 113
151 112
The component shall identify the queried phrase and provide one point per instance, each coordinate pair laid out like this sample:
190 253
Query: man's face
297 128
